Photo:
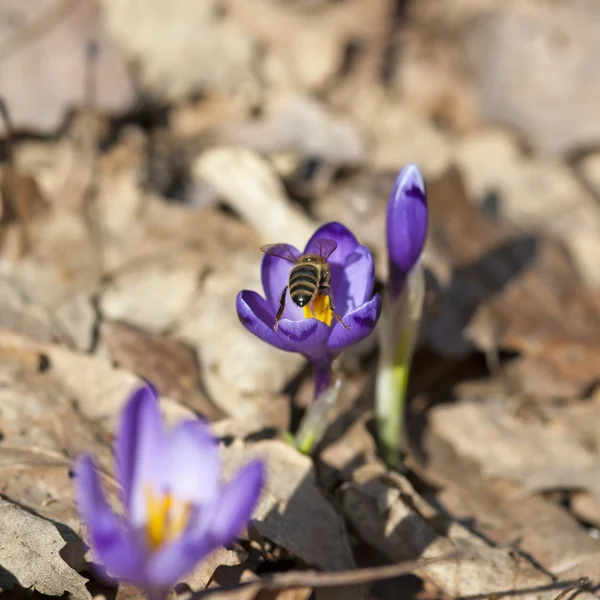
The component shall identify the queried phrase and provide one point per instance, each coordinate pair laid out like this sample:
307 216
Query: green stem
398 329
393 382
316 420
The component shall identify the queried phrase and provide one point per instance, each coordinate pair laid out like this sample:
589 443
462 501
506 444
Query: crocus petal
356 283
256 316
137 447
346 242
236 502
361 322
308 337
406 224
167 566
275 274
119 552
189 465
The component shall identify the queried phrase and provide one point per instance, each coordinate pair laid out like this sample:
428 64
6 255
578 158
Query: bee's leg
281 307
327 291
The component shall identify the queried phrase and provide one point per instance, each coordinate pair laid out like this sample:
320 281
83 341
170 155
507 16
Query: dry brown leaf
403 136
573 426
351 450
208 572
295 122
193 46
506 445
58 267
387 520
305 47
211 257
139 297
19 314
249 185
494 506
43 49
534 194
506 289
100 390
242 375
540 107
42 433
293 512
586 507
429 69
164 361
129 592
30 555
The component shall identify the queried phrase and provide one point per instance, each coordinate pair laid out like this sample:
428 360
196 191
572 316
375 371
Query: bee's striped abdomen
304 281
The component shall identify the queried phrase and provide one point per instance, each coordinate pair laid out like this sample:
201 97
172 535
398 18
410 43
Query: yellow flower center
319 309
167 518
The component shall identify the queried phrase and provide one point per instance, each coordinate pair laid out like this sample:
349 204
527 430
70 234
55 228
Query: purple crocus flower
312 330
406 226
176 510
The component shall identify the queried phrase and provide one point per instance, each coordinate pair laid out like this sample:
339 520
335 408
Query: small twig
557 585
354 577
581 584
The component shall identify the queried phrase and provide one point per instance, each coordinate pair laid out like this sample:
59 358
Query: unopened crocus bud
399 325
406 225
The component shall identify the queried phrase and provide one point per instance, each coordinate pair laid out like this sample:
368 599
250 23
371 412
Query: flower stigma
167 518
319 309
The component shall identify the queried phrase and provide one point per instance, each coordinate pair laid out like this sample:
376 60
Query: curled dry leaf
30 555
249 185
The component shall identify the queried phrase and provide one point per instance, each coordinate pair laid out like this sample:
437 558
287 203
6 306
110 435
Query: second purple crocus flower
176 508
320 338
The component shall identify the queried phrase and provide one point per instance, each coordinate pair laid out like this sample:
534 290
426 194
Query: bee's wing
284 251
324 248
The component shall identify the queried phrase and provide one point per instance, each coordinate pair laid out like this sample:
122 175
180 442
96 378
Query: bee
310 277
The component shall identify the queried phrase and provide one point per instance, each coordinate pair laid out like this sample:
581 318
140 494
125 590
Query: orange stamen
319 308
